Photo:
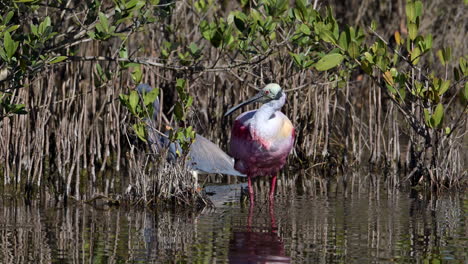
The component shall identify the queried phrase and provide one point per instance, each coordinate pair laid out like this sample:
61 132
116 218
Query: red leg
272 188
274 228
251 191
249 218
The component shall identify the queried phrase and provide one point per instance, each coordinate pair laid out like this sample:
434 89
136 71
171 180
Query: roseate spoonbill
204 156
262 139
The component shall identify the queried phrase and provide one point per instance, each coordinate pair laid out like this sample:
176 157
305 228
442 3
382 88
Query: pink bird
262 139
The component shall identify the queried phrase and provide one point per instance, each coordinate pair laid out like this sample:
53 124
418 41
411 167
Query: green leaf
194 50
43 26
447 130
418 8
427 118
329 61
47 21
391 89
353 50
438 115
444 87
100 71
415 55
205 29
402 94
444 55
58 59
10 45
181 83
189 102
150 97
19 109
369 57
8 17
447 54
440 55
92 34
410 11
34 29
412 30
200 6
139 129
179 111
216 38
428 42
104 22
365 65
374 25
133 4
304 29
382 62
137 74
327 36
13 28
301 10
344 40
3 54
256 16
463 66
418 88
123 52
124 99
228 39
272 35
133 101
324 31
297 58
239 22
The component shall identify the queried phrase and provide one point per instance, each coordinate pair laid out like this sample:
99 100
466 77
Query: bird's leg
251 192
249 218
274 228
272 188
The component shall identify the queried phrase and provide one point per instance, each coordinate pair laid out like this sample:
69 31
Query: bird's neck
265 112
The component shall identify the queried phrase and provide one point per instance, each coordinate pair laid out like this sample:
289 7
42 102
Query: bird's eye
267 92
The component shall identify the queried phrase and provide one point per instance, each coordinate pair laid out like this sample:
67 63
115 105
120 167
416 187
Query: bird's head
270 92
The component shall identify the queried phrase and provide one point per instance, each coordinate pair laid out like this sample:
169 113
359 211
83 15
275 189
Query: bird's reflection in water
255 245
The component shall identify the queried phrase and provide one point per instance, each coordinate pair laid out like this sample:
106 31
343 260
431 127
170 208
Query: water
351 227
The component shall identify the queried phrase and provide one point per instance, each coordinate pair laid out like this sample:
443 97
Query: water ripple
338 228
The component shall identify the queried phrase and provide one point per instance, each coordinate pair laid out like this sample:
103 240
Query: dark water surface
358 227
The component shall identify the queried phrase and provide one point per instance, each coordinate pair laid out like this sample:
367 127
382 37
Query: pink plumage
254 155
262 139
